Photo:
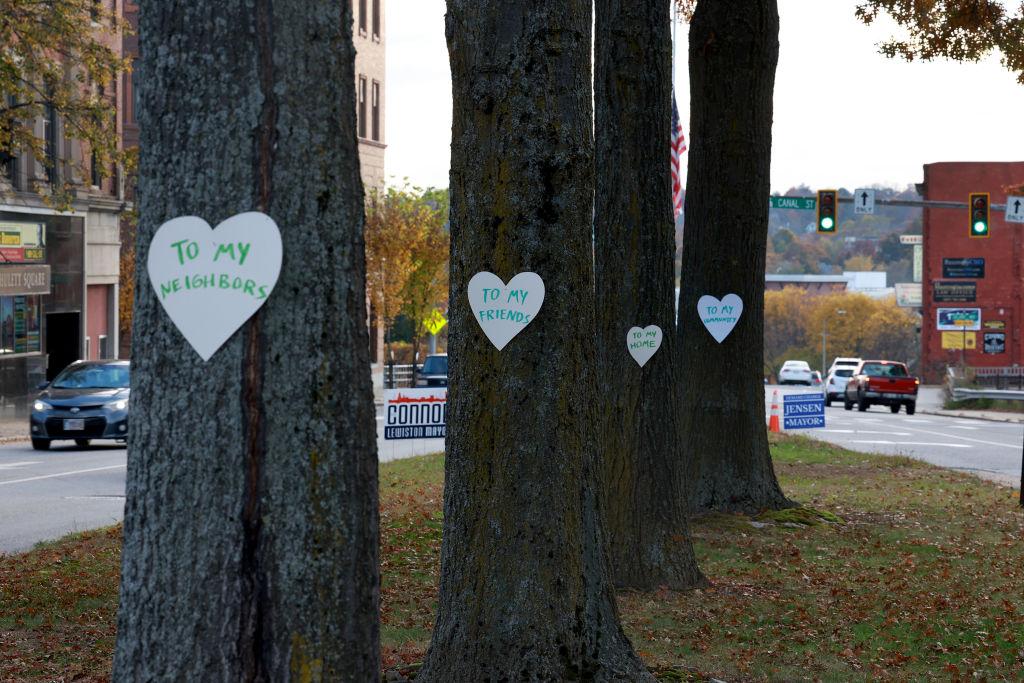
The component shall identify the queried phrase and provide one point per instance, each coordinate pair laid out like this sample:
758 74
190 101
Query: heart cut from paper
210 281
503 311
643 342
719 317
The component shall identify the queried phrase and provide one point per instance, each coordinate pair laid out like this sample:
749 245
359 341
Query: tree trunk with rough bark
734 48
251 531
524 593
642 476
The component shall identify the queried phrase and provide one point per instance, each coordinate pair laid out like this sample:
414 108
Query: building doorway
63 341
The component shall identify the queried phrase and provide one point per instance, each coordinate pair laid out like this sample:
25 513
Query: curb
971 416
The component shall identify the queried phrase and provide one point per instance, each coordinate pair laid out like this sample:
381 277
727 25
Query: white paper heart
212 281
643 342
503 311
720 316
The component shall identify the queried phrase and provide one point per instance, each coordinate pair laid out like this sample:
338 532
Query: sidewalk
990 415
13 429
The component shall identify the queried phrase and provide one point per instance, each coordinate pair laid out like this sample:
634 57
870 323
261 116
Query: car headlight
119 405
40 406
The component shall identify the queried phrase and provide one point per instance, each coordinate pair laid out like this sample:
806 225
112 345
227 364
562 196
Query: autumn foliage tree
58 58
406 252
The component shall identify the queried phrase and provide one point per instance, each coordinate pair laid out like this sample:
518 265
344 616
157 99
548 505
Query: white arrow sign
864 201
1015 209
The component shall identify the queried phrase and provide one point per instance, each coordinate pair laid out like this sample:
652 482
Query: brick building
58 269
978 281
368 36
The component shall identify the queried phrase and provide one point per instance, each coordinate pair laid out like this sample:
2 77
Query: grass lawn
922 580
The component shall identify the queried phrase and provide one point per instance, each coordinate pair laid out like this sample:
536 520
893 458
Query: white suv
848 363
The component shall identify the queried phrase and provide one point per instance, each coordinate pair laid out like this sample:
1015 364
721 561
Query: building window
362 17
19 324
94 167
134 85
375 109
361 112
50 141
376 19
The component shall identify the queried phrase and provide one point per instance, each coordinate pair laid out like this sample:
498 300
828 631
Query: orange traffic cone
773 420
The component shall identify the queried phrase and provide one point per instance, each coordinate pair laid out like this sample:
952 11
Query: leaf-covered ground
922 580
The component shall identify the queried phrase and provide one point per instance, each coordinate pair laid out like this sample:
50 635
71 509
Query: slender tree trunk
642 467
524 594
251 532
734 48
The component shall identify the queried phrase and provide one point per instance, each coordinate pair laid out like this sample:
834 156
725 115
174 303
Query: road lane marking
12 465
960 427
862 431
913 443
1014 446
62 474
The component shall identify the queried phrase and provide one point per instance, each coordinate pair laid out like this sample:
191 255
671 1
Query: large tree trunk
524 594
250 548
642 467
734 48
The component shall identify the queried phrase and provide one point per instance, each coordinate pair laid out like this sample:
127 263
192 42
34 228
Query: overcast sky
844 115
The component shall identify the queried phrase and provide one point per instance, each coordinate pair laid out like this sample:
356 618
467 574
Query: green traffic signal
827 206
979 206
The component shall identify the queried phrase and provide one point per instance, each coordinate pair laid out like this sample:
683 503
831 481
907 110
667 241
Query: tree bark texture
251 528
524 593
642 475
734 49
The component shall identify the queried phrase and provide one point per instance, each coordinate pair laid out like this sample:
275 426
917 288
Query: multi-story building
58 269
973 289
368 36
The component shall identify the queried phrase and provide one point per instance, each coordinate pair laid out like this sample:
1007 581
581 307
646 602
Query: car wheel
862 403
847 403
911 408
41 444
83 443
894 408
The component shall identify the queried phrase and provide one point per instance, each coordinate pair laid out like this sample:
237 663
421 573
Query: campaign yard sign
415 413
803 411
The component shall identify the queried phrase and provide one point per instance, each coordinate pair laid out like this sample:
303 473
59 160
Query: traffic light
828 216
979 214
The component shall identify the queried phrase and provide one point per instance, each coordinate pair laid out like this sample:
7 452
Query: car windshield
884 370
844 373
93 377
435 365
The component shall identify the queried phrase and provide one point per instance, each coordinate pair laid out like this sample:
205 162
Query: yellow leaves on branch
407 251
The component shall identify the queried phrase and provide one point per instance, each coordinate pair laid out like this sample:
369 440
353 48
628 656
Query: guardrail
1003 394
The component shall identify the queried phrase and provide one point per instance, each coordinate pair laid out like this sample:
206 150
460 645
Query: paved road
991 450
47 494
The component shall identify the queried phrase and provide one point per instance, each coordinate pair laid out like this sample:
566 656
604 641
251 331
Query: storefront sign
995 342
958 319
24 279
415 413
918 262
22 242
954 291
963 267
995 324
908 295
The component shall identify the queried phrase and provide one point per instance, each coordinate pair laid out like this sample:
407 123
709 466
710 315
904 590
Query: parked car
434 372
87 400
796 372
881 382
835 383
848 363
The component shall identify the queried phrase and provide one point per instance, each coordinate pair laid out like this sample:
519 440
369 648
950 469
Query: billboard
957 319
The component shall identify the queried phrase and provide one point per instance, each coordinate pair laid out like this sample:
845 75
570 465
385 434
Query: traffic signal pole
922 203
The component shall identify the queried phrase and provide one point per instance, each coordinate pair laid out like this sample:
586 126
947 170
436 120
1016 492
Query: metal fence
397 376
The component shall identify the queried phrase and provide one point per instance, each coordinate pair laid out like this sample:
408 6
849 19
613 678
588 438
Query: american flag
678 147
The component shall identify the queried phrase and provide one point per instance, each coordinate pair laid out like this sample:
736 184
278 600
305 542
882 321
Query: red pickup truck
881 382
